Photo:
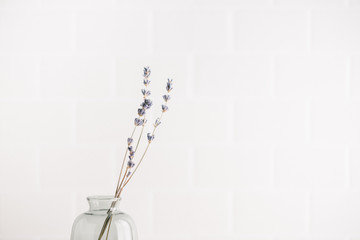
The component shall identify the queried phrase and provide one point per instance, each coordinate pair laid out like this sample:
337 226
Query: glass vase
89 225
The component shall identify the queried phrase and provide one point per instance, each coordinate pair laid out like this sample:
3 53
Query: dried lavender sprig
145 105
137 122
169 87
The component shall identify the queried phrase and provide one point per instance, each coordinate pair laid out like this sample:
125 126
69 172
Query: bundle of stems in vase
128 166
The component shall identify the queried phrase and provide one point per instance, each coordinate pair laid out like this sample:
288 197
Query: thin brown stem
142 130
123 178
107 234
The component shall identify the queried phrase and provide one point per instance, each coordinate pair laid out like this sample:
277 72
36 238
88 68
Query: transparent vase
88 225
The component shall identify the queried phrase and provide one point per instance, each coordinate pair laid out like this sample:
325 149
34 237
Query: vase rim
103 197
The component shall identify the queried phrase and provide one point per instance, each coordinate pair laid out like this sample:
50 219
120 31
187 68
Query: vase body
88 225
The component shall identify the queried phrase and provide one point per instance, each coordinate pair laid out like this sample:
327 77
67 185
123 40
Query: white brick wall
262 140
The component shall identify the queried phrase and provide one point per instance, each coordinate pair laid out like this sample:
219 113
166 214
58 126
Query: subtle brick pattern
270 213
112 31
336 31
355 76
261 142
335 122
189 213
272 31
12 81
339 221
269 121
247 167
21 161
221 80
37 208
75 76
310 167
193 33
301 76
31 123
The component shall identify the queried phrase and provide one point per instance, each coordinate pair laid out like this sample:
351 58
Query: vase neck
101 204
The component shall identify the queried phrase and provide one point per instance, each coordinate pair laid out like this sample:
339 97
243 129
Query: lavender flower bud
166 98
138 122
132 152
141 112
146 104
131 164
164 108
129 141
169 85
145 93
157 122
146 82
150 137
128 174
147 72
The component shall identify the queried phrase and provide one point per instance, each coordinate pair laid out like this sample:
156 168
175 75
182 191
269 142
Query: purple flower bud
164 108
146 82
166 98
141 112
150 137
131 164
146 104
138 122
145 93
132 153
169 85
147 72
129 141
128 174
157 122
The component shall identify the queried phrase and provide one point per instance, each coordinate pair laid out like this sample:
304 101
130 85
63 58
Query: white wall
261 141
